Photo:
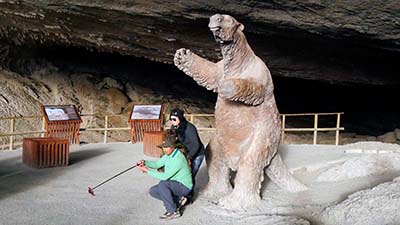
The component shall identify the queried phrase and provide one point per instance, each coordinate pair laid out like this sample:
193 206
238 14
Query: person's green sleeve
155 164
167 174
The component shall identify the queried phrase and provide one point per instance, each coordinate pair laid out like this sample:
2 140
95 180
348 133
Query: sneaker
182 202
170 216
163 215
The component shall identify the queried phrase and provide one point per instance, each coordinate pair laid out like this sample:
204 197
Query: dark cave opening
368 109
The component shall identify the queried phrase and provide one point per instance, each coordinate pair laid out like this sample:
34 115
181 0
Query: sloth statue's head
224 28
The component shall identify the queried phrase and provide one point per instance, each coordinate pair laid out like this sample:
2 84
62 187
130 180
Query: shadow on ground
15 177
79 156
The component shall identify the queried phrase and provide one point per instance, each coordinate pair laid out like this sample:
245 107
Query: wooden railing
314 129
106 124
191 117
12 132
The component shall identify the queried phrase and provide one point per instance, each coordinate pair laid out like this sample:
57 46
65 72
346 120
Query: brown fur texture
248 125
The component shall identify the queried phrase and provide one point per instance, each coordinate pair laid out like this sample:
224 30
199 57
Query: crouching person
176 180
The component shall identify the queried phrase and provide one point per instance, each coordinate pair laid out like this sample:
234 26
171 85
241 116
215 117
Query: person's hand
144 169
140 163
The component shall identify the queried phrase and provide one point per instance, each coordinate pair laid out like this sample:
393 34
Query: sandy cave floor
59 195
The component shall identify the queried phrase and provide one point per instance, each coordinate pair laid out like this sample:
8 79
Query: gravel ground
59 195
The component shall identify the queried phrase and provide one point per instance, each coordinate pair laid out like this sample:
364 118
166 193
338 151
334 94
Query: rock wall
334 41
29 80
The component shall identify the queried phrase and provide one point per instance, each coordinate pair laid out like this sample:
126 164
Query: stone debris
362 166
378 205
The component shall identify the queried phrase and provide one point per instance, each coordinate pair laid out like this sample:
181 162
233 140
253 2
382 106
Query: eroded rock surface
304 39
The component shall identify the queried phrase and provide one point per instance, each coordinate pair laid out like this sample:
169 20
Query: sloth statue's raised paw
183 59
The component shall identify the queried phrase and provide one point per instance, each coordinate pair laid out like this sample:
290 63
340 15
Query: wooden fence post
283 128
191 118
315 128
12 129
337 129
106 129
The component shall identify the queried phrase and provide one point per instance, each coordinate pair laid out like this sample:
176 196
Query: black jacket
189 137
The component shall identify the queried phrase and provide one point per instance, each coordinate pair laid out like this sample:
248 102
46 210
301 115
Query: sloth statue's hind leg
249 177
218 172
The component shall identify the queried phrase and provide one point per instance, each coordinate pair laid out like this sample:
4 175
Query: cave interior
369 107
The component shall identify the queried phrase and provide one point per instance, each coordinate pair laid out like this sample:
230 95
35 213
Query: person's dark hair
170 140
178 113
171 134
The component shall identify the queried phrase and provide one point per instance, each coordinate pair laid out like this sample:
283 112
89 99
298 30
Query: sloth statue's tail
280 175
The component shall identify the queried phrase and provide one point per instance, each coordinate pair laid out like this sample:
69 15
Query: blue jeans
196 163
168 191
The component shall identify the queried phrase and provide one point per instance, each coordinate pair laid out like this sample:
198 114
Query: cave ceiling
333 41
